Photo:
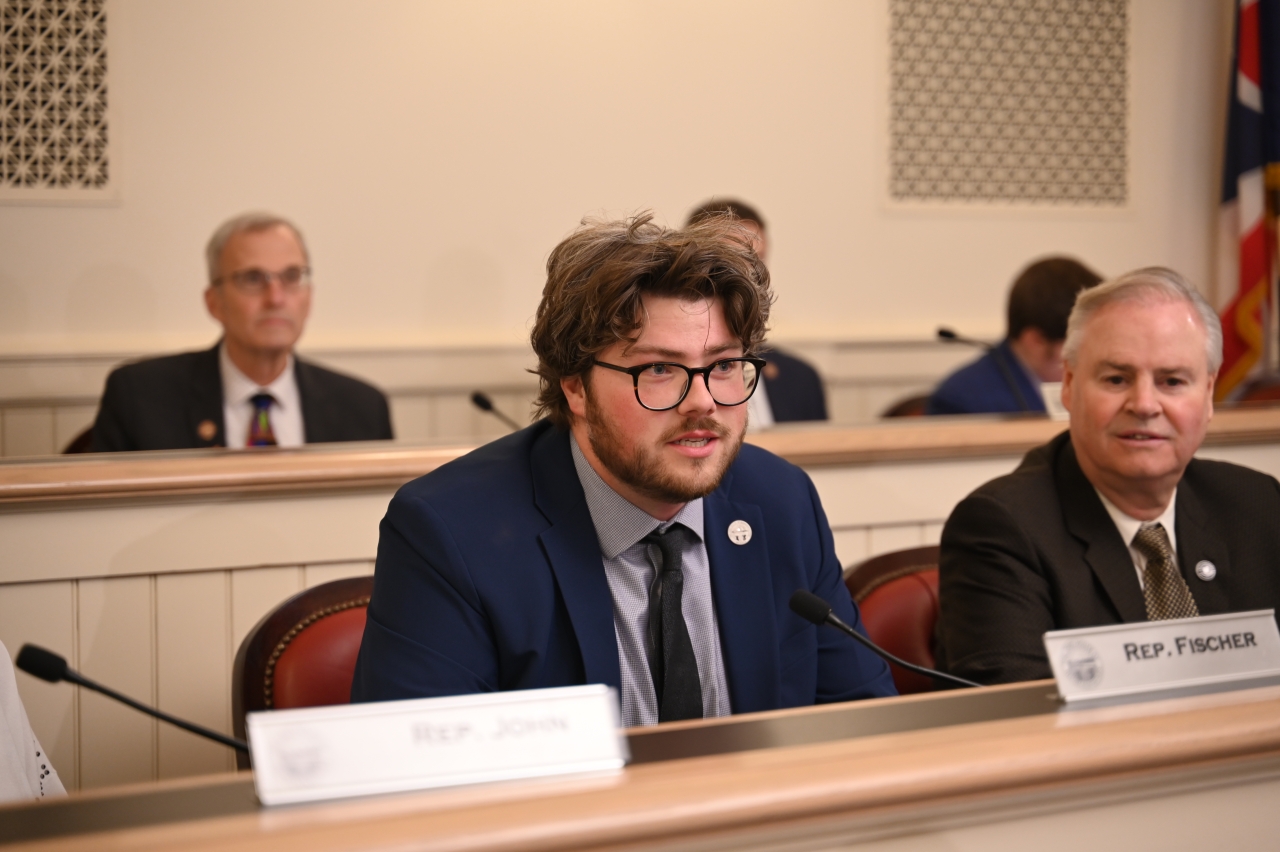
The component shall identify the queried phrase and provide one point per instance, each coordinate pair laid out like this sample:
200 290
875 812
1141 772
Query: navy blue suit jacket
489 577
983 387
795 388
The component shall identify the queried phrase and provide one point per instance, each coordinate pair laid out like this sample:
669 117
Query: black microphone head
45 665
481 401
945 333
810 607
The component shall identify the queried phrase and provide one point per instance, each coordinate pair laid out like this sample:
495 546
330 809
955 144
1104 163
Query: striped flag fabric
1250 190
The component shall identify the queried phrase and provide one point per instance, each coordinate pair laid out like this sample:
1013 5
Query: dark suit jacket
1036 551
794 388
162 404
985 386
489 577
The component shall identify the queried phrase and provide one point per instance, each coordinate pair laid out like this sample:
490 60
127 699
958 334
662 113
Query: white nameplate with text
317 753
1159 658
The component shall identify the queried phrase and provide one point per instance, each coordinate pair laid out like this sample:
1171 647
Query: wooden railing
334 467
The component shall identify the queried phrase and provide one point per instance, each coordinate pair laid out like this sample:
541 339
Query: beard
642 468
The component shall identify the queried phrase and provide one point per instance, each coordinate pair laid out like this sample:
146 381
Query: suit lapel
742 588
313 420
1105 552
205 420
573 550
1198 540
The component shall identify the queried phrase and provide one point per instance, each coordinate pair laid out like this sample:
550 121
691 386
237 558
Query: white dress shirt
620 526
759 409
1129 528
237 410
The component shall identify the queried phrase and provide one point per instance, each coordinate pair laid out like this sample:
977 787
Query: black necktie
671 660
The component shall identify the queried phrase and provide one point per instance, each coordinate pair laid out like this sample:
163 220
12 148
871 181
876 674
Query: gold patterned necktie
1166 592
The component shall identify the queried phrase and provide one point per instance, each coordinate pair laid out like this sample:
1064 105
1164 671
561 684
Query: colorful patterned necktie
260 432
671 658
1166 592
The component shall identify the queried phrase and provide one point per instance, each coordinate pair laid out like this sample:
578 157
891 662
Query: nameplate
317 753
1051 393
1104 665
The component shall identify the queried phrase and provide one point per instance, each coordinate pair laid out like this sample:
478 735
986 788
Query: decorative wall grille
53 98
1008 101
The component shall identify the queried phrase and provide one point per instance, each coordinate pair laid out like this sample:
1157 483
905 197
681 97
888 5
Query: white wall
434 152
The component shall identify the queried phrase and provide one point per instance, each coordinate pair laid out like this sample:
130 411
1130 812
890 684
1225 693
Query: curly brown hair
597 276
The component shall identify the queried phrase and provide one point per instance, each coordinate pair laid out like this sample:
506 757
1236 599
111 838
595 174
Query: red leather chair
302 653
897 594
912 406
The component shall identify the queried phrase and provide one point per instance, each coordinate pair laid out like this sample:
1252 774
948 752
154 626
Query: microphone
481 400
949 335
49 666
812 608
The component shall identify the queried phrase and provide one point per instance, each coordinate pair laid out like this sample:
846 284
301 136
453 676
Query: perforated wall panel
1008 101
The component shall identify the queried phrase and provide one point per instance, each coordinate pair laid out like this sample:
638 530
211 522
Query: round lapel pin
739 532
207 430
1206 570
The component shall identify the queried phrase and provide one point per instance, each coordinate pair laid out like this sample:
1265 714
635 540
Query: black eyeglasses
254 282
663 385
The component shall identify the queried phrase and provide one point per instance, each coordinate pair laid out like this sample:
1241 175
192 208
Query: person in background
1114 520
250 389
792 389
1008 377
629 537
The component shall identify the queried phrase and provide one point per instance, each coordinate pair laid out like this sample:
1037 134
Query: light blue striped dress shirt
620 526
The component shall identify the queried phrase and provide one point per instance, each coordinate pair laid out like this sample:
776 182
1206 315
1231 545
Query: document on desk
1185 656
318 753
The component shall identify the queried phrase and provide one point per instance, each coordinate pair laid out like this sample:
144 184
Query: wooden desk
169 475
1190 773
147 569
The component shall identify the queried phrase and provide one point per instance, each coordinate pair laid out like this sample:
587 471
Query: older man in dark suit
1113 521
250 389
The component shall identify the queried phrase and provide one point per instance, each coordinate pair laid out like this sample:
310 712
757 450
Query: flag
1250 191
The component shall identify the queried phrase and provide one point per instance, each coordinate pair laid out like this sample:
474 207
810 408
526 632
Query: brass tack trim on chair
268 679
891 576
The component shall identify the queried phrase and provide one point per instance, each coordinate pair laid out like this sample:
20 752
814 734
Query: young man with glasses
629 537
250 389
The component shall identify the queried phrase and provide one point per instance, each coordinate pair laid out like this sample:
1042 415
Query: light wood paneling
254 593
889 538
190 536
314 575
45 614
69 421
411 418
453 416
117 649
933 533
933 440
879 495
28 432
852 545
193 653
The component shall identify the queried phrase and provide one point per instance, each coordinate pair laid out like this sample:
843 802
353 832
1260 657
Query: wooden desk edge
943 775
149 477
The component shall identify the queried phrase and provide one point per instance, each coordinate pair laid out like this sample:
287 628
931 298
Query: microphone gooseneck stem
482 401
947 335
1009 379
77 678
835 621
